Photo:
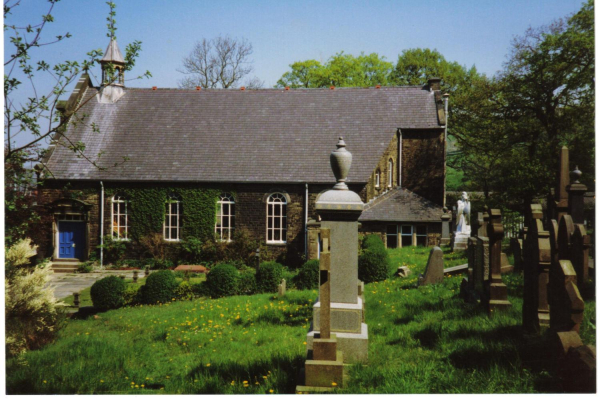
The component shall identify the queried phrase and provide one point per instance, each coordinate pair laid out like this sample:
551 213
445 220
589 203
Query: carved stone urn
340 160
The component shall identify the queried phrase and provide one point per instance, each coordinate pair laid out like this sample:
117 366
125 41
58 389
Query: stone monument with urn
338 314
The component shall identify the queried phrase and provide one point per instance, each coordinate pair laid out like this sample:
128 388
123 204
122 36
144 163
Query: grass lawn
421 340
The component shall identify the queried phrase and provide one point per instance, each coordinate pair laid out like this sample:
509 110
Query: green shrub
290 277
247 283
113 250
160 264
159 287
85 267
108 293
373 265
372 241
268 277
222 280
135 263
31 314
131 296
185 291
200 289
308 277
191 250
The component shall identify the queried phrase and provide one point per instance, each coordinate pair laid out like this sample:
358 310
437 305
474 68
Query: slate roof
401 205
265 135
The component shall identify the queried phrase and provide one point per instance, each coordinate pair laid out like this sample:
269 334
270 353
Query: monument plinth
338 334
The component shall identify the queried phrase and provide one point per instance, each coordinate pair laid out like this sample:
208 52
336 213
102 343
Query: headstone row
484 253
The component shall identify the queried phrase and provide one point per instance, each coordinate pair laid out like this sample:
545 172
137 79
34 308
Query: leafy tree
306 74
543 99
341 70
222 62
39 115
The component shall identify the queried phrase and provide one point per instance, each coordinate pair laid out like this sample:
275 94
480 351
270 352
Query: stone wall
250 202
423 163
391 152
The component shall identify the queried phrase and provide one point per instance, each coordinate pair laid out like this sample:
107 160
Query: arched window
225 217
120 221
377 178
276 218
390 172
173 213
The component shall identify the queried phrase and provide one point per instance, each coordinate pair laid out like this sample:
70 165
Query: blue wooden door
71 240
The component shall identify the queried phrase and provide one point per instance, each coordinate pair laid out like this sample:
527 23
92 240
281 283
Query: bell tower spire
113 65
113 74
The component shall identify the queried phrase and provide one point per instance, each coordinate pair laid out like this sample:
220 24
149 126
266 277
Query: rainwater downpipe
306 220
101 224
445 96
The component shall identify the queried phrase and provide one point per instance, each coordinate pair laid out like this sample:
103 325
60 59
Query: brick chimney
434 83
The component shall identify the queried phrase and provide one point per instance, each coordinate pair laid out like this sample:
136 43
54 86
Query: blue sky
471 32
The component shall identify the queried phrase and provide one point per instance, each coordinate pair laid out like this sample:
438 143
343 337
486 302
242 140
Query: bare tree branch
221 62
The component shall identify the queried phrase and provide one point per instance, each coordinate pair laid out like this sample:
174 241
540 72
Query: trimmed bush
373 265
308 277
131 296
222 280
185 291
247 283
268 277
372 241
108 293
159 287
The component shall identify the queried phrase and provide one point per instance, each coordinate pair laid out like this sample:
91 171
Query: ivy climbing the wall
146 210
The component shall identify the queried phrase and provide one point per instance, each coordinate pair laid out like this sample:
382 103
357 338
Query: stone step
65 266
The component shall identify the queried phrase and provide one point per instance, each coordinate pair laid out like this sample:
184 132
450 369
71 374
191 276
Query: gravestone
281 288
535 274
498 292
566 303
580 255
324 366
558 206
446 219
505 267
434 271
339 209
576 191
516 247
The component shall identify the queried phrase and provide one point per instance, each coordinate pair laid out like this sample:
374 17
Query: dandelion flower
270 391
333 384
207 364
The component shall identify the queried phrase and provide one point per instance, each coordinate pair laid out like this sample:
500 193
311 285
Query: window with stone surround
406 233
422 235
225 223
390 172
276 219
173 212
377 178
120 221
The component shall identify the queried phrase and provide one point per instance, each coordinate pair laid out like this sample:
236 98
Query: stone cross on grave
498 292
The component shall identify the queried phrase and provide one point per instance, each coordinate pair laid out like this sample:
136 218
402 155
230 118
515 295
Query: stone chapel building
205 163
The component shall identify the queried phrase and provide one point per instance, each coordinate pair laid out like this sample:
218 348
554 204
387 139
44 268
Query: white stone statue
463 214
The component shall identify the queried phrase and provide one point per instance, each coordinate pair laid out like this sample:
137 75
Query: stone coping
341 305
